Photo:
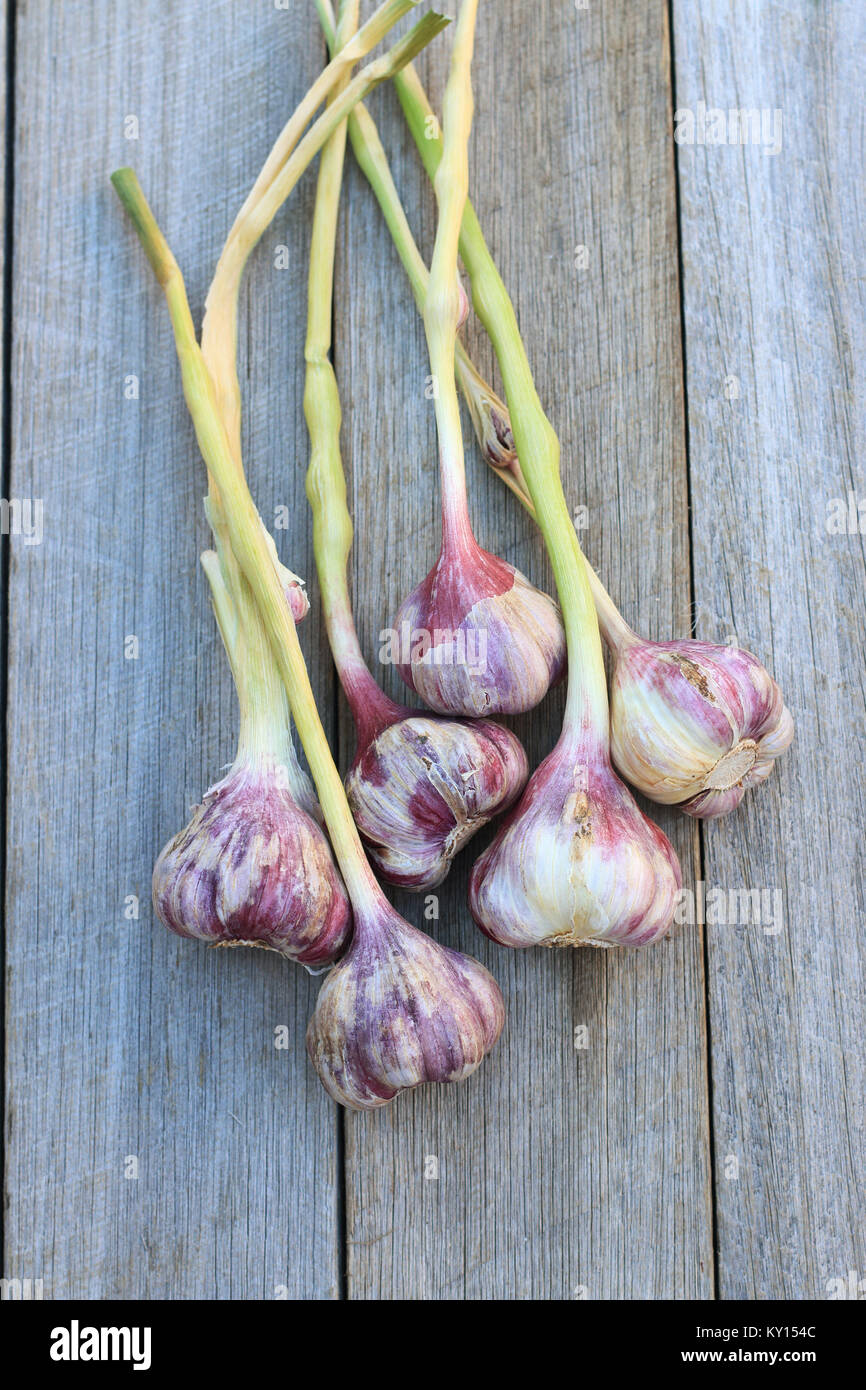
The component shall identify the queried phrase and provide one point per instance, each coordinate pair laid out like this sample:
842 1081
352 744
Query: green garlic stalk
278 177
398 1010
537 443
212 882
264 715
247 538
283 167
419 785
482 639
281 170
489 413
577 863
442 304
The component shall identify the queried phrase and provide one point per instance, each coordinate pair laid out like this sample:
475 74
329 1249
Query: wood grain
4 480
124 1041
562 1173
774 309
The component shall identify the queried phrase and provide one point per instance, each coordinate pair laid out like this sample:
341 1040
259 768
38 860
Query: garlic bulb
421 787
253 868
476 638
398 1011
576 863
693 724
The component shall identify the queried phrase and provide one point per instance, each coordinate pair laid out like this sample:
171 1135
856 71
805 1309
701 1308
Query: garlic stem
442 302
326 482
373 163
537 443
614 628
219 327
278 177
249 544
264 715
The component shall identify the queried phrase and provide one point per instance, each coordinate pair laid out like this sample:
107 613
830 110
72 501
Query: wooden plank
4 91
4 473
562 1172
124 1041
775 345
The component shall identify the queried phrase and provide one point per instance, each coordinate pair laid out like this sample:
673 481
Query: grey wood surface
562 1172
774 297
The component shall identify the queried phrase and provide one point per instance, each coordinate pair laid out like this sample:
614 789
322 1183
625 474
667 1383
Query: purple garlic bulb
420 787
576 863
694 724
475 638
253 868
399 1011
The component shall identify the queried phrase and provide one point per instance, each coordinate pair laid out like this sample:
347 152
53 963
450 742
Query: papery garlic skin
694 724
490 418
476 638
576 863
399 1011
296 595
293 586
253 868
421 788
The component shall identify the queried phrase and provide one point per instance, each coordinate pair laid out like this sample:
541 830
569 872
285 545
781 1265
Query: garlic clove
709 805
775 740
424 786
253 868
399 1011
692 723
576 863
476 638
759 773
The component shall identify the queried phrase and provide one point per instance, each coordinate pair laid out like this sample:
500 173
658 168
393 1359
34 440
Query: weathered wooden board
774 312
4 92
4 475
561 1172
124 1042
